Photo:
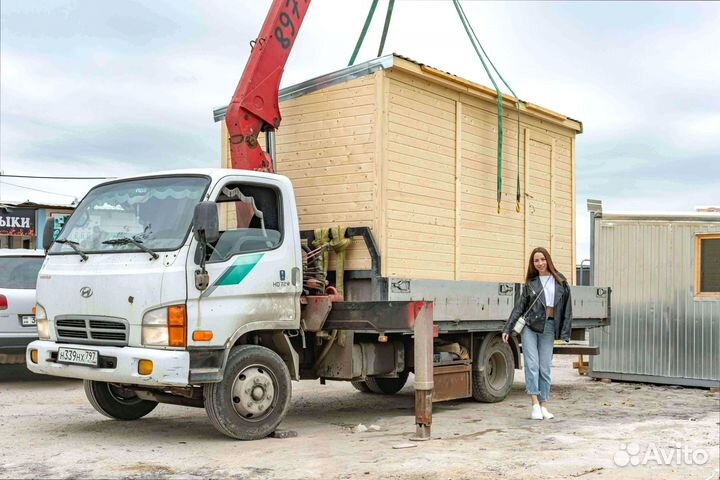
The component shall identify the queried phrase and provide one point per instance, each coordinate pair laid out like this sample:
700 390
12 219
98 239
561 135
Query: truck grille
92 330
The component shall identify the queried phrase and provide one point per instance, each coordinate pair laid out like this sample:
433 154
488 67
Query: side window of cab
250 220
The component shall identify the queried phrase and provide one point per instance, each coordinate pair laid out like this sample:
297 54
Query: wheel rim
253 393
497 370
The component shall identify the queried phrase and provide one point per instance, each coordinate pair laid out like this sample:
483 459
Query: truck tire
387 386
254 395
360 386
116 402
493 370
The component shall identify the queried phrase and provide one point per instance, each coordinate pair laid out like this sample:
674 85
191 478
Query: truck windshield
155 212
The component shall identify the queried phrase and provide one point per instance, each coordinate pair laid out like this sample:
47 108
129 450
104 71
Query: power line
57 178
36 189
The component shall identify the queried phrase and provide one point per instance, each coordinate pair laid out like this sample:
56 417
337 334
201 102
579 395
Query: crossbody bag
520 324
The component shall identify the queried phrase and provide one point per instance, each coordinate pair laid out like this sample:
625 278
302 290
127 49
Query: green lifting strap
388 15
476 43
363 32
517 187
322 240
340 244
517 106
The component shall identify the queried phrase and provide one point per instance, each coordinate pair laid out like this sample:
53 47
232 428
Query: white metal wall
658 331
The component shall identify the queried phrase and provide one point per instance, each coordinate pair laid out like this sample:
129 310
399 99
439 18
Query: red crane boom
254 105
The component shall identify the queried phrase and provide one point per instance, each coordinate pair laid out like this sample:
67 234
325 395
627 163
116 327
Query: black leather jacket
535 318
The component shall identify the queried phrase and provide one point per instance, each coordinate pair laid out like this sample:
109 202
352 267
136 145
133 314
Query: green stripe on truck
239 270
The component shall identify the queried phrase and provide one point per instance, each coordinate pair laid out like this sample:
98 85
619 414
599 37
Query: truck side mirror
205 220
48 233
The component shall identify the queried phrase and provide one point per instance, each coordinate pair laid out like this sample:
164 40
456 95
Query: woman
545 303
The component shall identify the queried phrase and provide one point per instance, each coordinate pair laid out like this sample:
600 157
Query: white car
18 276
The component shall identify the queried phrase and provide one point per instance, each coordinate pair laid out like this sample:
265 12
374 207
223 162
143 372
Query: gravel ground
601 431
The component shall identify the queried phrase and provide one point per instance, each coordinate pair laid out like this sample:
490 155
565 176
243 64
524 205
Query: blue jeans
538 352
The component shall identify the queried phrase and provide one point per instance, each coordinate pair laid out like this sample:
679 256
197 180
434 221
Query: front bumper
170 367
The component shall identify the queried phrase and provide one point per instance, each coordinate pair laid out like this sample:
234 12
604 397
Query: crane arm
254 105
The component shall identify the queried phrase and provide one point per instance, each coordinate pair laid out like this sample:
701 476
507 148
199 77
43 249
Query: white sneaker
545 414
537 413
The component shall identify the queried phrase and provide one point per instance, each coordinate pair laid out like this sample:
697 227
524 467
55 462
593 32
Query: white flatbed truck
147 300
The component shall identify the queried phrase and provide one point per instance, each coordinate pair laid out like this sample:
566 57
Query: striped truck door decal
236 272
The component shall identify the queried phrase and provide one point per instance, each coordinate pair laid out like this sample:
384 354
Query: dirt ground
601 431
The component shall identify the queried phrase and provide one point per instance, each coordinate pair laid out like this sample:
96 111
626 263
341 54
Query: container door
539 192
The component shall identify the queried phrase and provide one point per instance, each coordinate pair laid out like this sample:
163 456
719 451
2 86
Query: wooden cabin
411 152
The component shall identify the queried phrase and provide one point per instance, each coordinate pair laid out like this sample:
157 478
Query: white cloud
119 88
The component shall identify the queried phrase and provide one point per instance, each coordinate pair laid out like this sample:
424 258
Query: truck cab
198 288
131 295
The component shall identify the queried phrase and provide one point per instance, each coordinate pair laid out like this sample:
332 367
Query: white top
549 282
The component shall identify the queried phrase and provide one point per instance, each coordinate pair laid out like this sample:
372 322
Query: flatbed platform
574 348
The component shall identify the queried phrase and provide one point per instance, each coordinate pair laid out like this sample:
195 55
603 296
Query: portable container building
664 271
410 151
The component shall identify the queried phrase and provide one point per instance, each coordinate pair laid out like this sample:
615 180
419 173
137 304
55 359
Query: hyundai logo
86 292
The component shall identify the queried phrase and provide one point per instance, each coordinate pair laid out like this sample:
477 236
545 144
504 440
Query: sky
113 88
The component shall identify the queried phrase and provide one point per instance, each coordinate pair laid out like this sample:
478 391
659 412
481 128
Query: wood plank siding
412 153
326 146
420 182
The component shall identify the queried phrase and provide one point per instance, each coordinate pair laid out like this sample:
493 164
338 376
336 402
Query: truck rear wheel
254 395
493 370
116 402
387 386
360 386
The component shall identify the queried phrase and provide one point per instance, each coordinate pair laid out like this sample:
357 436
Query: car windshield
19 272
155 212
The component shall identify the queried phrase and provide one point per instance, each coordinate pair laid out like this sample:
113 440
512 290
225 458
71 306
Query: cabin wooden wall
326 146
420 180
441 186
414 158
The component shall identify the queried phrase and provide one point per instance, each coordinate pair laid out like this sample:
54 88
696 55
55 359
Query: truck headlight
165 327
41 321
154 328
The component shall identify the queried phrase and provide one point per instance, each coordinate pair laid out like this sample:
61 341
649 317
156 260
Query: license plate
28 320
77 356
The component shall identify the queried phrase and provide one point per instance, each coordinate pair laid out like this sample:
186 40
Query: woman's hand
505 337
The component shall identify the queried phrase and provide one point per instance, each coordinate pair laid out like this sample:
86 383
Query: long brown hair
532 272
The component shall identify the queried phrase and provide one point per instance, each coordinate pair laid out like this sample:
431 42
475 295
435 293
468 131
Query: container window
707 265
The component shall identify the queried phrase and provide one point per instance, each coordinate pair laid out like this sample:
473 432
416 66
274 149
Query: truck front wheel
254 395
116 402
493 370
